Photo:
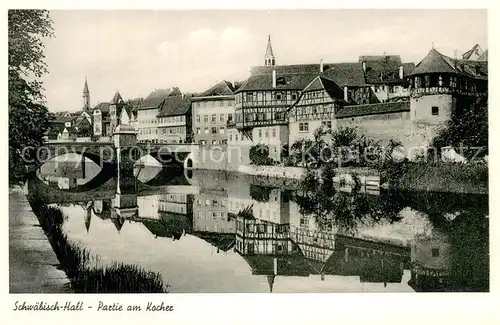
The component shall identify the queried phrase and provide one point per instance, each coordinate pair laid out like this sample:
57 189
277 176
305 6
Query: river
211 231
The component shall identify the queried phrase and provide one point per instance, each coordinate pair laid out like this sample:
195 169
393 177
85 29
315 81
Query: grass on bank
82 269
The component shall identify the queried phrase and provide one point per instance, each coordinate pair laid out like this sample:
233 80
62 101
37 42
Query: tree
28 116
467 127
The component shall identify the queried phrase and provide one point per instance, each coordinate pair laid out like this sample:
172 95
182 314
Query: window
435 110
214 130
260 133
294 96
236 138
304 127
435 252
278 96
249 97
198 130
221 130
207 203
275 150
267 133
230 137
221 117
274 133
214 141
206 130
214 117
229 117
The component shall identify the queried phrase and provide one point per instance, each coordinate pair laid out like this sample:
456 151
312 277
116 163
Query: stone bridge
108 153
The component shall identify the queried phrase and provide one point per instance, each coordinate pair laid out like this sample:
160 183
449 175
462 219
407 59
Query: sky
135 51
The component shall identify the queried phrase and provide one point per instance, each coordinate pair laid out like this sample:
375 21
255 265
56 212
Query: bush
259 155
82 269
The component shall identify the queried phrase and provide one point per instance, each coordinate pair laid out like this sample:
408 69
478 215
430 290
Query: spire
269 57
86 87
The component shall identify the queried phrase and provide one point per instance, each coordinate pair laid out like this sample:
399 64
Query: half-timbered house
316 107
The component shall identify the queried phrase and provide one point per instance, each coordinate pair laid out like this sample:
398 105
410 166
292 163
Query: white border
281 308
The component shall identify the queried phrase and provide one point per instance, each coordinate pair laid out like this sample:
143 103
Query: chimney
274 78
321 66
401 73
364 66
346 93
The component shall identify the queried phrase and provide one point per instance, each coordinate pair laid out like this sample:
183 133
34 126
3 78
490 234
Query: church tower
269 58
86 96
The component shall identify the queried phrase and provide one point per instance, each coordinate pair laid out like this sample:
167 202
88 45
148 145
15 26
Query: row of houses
279 104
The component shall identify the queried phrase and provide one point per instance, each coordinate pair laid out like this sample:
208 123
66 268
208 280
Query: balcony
417 92
231 124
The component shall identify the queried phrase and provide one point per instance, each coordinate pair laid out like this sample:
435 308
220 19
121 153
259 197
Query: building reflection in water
266 228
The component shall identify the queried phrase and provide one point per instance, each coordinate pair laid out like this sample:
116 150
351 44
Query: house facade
174 120
316 107
147 120
212 111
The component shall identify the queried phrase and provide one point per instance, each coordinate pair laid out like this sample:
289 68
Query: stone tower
269 58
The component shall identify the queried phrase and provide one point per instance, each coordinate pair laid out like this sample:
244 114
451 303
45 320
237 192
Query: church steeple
269 58
86 96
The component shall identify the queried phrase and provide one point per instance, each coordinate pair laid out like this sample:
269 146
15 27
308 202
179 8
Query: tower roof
435 62
269 50
85 87
117 98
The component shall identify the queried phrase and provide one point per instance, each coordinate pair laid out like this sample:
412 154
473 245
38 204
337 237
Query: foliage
342 147
438 176
28 117
467 127
346 211
259 155
260 193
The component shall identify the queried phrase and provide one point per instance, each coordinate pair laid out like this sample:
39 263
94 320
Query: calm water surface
209 231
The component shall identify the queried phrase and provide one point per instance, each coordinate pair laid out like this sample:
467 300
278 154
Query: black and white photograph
248 151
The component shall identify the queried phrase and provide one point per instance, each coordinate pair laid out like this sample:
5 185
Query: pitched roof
408 68
371 109
224 242
475 49
380 58
435 62
61 119
85 87
220 89
287 265
117 98
322 83
291 77
350 74
155 98
175 105
269 49
103 107
70 129
484 56
381 68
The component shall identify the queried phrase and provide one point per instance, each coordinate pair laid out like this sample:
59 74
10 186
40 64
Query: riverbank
32 261
442 177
